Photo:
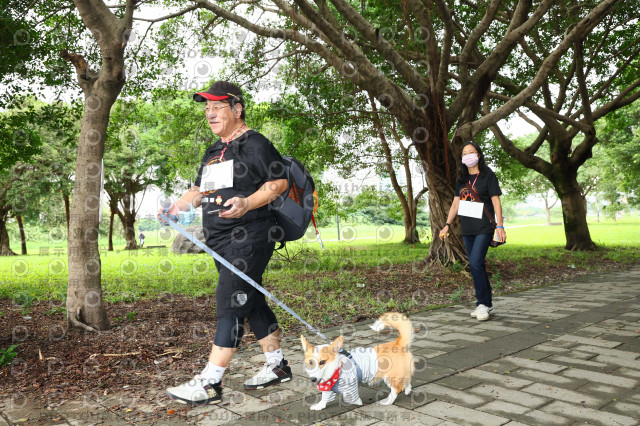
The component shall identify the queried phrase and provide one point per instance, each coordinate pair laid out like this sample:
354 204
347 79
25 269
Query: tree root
75 322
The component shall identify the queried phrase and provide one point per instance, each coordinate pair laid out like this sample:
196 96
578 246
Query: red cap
218 91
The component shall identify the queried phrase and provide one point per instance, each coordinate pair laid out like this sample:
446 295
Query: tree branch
445 52
603 88
530 161
86 76
171 15
536 144
280 33
413 78
387 154
582 86
623 99
98 19
490 66
581 29
475 35
529 121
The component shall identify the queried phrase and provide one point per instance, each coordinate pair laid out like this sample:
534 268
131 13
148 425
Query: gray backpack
295 207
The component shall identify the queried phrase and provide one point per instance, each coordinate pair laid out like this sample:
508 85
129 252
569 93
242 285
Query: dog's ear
337 344
306 347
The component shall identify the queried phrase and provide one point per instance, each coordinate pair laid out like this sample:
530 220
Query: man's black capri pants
236 299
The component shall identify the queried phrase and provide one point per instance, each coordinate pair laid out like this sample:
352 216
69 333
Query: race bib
471 209
217 176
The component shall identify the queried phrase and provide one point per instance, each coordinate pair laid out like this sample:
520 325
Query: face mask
470 160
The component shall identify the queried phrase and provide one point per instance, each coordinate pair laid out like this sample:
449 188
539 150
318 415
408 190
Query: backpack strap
313 217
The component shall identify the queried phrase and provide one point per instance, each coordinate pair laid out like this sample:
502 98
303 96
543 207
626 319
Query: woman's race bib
471 209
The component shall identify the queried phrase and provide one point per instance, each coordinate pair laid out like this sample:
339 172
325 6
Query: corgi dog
335 371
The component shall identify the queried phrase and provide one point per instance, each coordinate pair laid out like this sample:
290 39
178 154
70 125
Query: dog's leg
407 390
327 396
390 399
377 326
319 406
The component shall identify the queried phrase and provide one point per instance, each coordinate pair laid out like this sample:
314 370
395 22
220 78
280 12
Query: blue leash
239 273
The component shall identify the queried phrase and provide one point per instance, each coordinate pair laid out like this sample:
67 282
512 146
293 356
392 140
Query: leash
241 274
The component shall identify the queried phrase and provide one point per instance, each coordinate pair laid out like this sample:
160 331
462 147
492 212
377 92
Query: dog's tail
398 321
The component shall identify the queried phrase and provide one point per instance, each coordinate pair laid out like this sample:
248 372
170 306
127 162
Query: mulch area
154 343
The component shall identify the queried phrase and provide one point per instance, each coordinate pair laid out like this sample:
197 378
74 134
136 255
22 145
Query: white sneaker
474 313
482 313
271 374
196 392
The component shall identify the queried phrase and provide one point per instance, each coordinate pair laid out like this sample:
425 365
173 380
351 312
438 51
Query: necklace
233 135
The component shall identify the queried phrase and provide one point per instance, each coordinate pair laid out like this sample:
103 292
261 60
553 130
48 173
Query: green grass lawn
127 275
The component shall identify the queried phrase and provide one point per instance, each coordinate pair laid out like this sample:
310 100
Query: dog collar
327 385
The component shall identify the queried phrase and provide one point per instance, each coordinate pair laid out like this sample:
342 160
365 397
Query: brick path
561 355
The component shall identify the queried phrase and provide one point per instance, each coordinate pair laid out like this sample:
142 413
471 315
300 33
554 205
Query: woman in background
477 186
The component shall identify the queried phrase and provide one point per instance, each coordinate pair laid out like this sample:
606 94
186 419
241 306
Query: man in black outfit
239 175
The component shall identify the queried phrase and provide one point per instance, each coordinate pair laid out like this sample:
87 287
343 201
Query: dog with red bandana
336 371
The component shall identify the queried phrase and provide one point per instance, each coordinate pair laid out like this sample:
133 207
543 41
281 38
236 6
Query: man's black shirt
256 161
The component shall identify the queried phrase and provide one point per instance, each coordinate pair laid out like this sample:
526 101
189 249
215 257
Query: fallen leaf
170 412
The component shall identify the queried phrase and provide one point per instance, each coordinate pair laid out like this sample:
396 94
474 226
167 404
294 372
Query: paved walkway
561 355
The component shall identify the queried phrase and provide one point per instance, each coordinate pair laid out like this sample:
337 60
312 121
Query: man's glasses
214 109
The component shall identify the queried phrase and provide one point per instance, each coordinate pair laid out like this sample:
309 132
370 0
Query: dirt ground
154 342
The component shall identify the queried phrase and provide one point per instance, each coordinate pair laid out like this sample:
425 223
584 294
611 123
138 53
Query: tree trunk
111 231
406 201
547 211
574 214
23 238
435 151
452 249
67 210
84 294
5 249
128 221
130 231
410 226
85 305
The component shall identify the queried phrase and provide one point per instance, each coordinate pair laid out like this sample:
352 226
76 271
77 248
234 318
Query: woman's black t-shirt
487 186
255 161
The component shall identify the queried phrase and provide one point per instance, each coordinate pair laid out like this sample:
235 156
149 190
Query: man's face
222 119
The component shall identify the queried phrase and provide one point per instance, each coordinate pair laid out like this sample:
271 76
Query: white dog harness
360 366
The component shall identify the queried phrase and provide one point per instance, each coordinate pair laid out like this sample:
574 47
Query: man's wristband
446 224
501 227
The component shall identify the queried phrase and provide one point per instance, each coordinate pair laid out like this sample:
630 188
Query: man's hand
171 211
239 207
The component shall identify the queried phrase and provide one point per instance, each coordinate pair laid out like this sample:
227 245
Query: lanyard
233 135
473 185
223 150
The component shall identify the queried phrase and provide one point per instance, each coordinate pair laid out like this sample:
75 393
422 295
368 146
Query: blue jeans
476 247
